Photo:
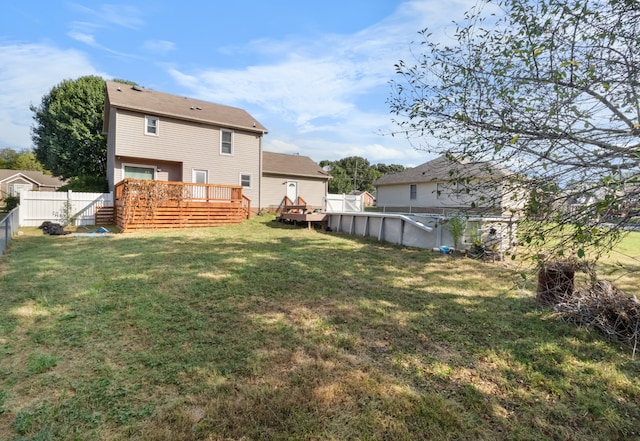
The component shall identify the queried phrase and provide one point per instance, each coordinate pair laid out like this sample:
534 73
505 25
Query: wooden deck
300 211
143 204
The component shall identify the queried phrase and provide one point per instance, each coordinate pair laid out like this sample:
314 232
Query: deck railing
163 204
167 191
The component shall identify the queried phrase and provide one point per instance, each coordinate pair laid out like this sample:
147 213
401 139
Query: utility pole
355 177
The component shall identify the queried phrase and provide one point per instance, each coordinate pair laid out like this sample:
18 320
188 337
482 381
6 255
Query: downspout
260 173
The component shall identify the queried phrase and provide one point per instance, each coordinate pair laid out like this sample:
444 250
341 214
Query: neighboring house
13 182
155 135
432 187
577 198
292 176
367 198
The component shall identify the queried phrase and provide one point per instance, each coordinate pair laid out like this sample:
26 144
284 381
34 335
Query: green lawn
269 332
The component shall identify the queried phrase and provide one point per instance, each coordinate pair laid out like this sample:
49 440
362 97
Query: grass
269 332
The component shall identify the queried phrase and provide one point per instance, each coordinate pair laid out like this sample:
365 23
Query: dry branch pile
605 308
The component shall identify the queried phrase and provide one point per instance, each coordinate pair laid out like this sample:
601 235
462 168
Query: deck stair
299 211
105 216
288 206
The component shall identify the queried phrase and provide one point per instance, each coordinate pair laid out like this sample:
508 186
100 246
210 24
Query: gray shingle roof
38 177
151 102
293 165
442 169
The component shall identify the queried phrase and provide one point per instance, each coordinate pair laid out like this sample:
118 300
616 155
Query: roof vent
198 108
136 88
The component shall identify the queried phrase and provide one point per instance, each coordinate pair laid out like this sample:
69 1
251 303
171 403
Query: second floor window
151 125
226 142
413 192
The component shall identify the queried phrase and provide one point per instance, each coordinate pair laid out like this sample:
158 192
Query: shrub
91 184
11 202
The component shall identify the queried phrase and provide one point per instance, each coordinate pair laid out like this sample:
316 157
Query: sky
316 74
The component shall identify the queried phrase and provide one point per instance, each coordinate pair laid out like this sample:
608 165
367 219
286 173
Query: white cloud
82 37
107 18
332 87
124 16
27 73
280 146
161 47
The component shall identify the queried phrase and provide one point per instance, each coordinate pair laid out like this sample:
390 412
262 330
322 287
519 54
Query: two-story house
164 137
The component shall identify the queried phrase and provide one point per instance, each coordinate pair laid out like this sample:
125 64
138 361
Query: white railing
37 207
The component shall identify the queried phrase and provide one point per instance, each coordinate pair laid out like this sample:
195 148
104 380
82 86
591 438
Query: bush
91 184
11 202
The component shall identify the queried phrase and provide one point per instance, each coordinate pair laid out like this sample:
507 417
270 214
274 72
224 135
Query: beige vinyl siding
195 145
274 189
175 138
245 159
111 157
399 195
396 197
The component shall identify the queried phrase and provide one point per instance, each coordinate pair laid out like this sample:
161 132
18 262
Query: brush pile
53 229
605 308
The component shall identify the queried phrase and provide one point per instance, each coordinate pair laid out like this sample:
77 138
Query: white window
226 142
151 124
200 176
245 180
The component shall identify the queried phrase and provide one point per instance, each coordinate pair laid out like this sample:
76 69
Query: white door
199 177
292 191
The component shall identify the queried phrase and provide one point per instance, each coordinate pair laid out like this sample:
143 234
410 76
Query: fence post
69 208
7 229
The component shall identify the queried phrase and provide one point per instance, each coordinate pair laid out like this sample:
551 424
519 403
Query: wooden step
105 216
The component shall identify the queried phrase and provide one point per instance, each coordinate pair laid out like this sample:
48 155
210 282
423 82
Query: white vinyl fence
37 207
344 203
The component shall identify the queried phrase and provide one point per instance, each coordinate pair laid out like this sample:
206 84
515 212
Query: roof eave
262 131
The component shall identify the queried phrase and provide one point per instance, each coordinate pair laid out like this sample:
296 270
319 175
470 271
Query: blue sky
316 74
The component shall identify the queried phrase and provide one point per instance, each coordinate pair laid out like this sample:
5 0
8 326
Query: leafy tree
23 160
8 158
548 89
384 169
350 174
67 132
27 161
